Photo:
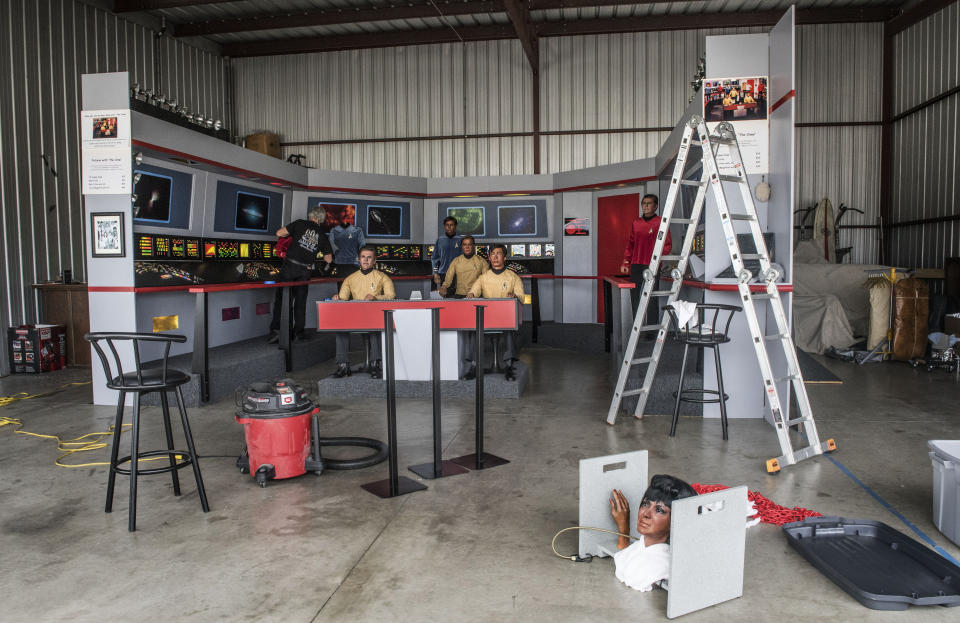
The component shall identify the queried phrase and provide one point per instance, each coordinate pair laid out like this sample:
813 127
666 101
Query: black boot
376 372
510 373
343 369
274 337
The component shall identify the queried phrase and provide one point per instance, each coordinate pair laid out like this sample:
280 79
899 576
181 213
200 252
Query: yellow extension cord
83 443
575 557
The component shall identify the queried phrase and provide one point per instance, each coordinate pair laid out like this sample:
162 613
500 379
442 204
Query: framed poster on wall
106 234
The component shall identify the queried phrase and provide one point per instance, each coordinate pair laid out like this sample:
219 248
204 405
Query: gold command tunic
358 286
490 285
466 271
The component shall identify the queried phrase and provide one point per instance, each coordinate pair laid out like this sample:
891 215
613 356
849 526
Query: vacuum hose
361 442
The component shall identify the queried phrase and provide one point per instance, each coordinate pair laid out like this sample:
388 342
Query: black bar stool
139 382
710 331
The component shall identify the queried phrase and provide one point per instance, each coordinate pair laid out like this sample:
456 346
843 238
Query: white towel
686 313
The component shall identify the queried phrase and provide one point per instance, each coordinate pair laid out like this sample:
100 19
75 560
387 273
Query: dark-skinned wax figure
646 561
366 284
636 257
347 240
445 250
307 242
464 270
499 283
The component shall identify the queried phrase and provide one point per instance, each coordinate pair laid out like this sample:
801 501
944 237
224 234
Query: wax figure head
450 226
367 258
498 256
467 245
653 517
649 205
317 214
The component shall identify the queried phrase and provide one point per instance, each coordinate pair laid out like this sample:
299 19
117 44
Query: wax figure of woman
646 561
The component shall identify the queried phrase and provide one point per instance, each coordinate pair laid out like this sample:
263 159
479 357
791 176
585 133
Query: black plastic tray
880 567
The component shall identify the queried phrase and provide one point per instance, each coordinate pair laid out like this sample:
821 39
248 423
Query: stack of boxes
37 347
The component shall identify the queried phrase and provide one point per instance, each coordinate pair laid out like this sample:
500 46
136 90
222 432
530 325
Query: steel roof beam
132 6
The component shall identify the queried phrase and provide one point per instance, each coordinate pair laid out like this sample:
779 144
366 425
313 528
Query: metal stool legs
115 452
134 463
721 397
193 452
165 406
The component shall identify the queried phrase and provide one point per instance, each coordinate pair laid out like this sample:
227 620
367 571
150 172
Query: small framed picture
106 231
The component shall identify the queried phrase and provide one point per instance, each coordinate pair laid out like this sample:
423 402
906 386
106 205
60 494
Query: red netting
769 511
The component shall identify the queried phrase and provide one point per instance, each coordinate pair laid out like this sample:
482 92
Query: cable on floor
588 557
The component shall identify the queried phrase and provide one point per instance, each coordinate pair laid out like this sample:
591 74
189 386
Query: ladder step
722 141
742 217
762 296
632 392
789 377
681 221
670 257
775 336
731 178
751 256
799 420
650 327
690 183
641 360
661 293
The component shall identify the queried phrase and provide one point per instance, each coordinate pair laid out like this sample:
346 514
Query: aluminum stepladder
696 134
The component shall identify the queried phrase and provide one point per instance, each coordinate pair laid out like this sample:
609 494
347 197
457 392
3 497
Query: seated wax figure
463 272
499 283
749 99
646 561
366 284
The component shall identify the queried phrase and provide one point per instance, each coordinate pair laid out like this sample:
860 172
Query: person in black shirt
308 241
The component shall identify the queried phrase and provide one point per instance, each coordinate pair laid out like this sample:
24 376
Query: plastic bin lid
945 448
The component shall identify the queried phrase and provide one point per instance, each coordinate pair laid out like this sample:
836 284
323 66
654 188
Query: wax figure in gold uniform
464 271
367 284
497 283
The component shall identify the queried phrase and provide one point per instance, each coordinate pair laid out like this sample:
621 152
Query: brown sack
911 309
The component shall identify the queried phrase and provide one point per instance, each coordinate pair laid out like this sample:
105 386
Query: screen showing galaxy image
337 213
384 221
470 220
153 198
252 211
517 220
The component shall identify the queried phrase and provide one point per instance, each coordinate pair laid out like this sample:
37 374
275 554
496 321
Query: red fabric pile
769 511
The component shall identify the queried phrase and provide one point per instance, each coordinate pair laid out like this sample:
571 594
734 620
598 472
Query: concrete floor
470 548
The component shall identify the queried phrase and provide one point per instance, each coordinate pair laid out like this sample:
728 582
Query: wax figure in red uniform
636 257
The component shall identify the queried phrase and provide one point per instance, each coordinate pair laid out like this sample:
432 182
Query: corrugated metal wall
840 68
631 80
45 45
925 144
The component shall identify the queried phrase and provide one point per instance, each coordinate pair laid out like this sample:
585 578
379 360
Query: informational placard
743 103
576 226
105 152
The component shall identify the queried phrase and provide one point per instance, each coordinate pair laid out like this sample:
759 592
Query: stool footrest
185 461
699 390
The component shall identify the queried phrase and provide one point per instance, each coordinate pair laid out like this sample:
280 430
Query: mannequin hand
336 297
620 511
369 297
443 291
624 268
436 279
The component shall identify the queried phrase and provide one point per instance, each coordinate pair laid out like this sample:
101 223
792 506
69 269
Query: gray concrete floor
470 548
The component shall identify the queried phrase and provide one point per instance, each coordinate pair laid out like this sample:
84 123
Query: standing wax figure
367 284
646 561
347 240
499 283
465 270
636 257
307 242
445 250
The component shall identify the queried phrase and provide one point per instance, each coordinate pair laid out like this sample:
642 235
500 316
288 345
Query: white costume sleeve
640 567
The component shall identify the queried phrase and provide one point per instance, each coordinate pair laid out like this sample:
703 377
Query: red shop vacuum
282 431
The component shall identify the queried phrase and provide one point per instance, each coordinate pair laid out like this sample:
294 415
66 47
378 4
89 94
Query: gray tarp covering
831 305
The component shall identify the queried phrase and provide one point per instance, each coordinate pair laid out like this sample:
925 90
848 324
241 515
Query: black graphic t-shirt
307 241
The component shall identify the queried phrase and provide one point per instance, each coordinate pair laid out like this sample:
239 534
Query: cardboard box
266 143
37 348
951 324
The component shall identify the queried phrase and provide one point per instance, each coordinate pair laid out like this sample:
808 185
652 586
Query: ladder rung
661 293
789 377
742 217
650 327
632 392
681 221
670 257
721 140
762 296
731 178
775 336
690 183
641 360
796 422
751 256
